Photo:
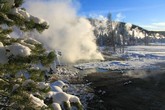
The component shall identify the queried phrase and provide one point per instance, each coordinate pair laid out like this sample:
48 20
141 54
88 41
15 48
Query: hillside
121 33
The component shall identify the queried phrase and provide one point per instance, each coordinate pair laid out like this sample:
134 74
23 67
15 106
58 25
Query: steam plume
70 34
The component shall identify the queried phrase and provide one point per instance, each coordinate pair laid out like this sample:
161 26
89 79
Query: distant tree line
120 34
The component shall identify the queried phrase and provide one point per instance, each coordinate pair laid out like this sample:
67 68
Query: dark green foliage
51 56
18 19
18 3
66 106
4 19
13 95
4 6
6 31
30 25
48 59
41 27
38 49
7 41
36 75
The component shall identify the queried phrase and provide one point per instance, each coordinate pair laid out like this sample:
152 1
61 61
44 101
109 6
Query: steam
72 35
137 74
142 74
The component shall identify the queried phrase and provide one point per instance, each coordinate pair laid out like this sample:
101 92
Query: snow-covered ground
136 57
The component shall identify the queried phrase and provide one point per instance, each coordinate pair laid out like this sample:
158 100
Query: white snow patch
27 16
37 102
38 20
56 89
60 97
24 13
50 94
32 41
74 98
60 84
56 106
18 49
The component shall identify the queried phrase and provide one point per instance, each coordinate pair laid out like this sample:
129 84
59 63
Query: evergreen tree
18 77
111 31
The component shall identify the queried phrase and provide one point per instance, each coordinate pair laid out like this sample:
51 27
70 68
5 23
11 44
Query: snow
15 49
59 83
8 36
83 91
38 20
4 26
27 44
57 94
56 106
60 97
42 85
18 49
1 44
66 74
56 89
37 102
50 94
27 16
14 11
24 13
32 41
74 99
136 57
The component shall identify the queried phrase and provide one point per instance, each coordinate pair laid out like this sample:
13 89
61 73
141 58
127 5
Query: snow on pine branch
17 49
27 16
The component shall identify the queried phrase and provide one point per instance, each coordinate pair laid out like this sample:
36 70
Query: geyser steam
69 33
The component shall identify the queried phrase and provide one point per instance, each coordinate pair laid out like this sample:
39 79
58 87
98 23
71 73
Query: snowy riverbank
135 57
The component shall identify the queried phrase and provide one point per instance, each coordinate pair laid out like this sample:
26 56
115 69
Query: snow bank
136 57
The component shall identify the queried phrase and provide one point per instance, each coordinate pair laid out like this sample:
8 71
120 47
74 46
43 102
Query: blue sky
149 14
